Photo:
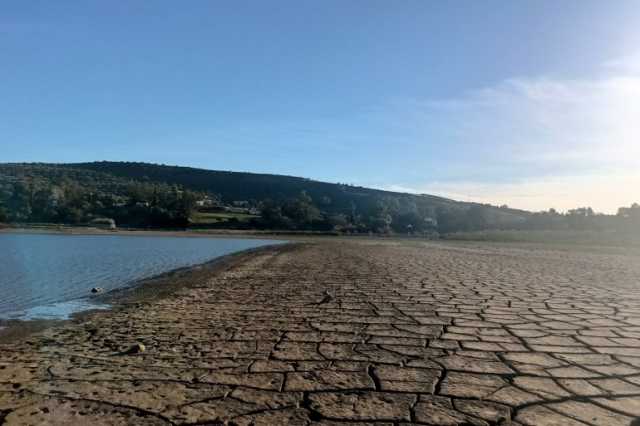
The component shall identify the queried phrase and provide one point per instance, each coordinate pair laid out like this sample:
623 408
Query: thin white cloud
627 64
604 193
536 143
563 123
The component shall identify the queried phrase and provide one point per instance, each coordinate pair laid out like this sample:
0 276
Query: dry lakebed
348 332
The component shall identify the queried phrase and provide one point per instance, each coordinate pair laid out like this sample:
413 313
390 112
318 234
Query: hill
142 194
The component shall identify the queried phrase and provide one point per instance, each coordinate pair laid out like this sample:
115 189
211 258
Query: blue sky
532 104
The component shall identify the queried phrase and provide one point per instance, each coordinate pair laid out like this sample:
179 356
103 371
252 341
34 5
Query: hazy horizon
533 105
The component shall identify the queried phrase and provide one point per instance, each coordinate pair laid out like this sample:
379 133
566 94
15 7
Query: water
51 276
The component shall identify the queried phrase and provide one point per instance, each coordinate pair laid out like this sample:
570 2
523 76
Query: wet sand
349 332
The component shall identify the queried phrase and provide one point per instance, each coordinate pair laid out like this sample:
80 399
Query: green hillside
235 186
142 194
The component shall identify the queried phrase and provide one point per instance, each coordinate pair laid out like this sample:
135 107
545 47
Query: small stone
135 349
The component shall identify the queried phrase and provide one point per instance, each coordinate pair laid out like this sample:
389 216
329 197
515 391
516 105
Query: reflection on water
51 276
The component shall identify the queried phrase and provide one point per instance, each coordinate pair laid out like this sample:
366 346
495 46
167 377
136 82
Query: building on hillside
103 223
243 210
207 202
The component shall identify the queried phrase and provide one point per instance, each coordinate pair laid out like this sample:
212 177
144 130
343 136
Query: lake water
51 276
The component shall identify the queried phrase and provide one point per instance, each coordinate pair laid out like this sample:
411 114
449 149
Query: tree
325 200
4 215
187 204
476 219
546 220
337 221
19 203
629 212
271 215
301 210
451 220
628 219
380 217
409 222
580 218
43 206
70 214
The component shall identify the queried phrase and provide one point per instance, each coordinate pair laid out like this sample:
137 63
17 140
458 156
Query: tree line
143 195
387 215
135 204
140 204
384 215
626 220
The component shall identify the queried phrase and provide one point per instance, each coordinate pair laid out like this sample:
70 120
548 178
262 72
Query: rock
326 299
97 290
135 349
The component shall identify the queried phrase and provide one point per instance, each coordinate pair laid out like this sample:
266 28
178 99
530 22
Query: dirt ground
351 332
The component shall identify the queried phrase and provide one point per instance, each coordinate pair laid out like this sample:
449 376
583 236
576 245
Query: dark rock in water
97 290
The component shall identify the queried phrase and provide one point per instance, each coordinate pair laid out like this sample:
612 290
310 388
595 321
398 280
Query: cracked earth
344 332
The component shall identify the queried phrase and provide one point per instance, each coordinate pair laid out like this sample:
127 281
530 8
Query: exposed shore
137 292
69 230
217 233
343 332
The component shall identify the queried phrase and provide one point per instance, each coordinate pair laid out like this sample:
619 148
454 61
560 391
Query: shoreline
219 233
133 232
140 292
534 239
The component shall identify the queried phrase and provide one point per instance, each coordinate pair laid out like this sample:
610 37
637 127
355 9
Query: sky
531 104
